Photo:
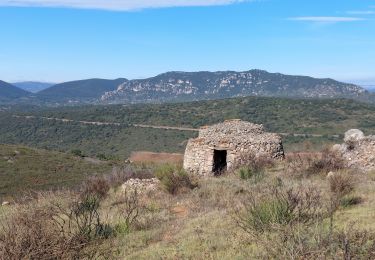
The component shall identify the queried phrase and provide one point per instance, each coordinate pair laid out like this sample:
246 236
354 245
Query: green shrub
350 200
173 178
268 212
130 209
78 153
102 157
248 173
278 206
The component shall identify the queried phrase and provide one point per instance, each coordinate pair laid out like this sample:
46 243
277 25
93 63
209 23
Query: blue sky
55 40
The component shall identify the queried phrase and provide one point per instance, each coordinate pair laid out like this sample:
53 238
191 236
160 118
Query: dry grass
201 223
156 158
304 165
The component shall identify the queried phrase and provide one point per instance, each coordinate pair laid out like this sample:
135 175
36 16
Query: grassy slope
23 169
201 224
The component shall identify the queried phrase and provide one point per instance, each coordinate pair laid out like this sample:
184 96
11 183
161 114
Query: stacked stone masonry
237 139
358 150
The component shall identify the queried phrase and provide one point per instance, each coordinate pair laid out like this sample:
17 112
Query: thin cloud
361 12
325 19
120 5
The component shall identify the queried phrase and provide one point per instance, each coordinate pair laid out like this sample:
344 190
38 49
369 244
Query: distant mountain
81 91
191 86
181 86
10 93
370 88
33 86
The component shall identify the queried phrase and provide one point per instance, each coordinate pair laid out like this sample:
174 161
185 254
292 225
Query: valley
118 130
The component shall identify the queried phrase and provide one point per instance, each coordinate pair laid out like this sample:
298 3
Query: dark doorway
220 161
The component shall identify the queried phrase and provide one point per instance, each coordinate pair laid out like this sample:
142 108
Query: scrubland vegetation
306 207
321 117
23 169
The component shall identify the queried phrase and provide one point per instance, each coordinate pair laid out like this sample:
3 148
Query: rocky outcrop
183 86
358 150
233 140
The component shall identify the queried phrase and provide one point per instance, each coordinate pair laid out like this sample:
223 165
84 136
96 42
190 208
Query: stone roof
235 131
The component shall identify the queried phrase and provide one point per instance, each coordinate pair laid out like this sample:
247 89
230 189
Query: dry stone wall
358 150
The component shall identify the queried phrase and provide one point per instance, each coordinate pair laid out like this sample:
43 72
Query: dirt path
151 126
167 127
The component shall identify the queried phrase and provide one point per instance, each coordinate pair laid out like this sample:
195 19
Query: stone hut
220 147
357 150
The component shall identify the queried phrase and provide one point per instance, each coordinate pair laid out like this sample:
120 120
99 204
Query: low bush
328 161
292 224
306 165
278 206
296 165
247 173
95 186
302 241
84 219
78 153
254 162
173 178
252 167
54 230
27 234
341 184
350 200
129 208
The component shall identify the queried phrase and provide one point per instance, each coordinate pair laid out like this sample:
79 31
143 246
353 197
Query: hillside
328 116
324 118
32 86
10 93
280 212
23 168
80 91
92 140
182 86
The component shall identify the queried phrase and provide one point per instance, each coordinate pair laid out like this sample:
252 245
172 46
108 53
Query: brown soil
149 157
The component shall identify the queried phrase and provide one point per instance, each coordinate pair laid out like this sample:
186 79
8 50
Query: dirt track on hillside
151 126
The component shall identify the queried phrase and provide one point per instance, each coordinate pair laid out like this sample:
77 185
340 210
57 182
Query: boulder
358 150
353 136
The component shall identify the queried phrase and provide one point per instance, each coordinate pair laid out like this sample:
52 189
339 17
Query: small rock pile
358 150
141 185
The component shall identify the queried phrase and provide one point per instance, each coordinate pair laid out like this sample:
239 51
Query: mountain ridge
87 90
179 86
11 93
